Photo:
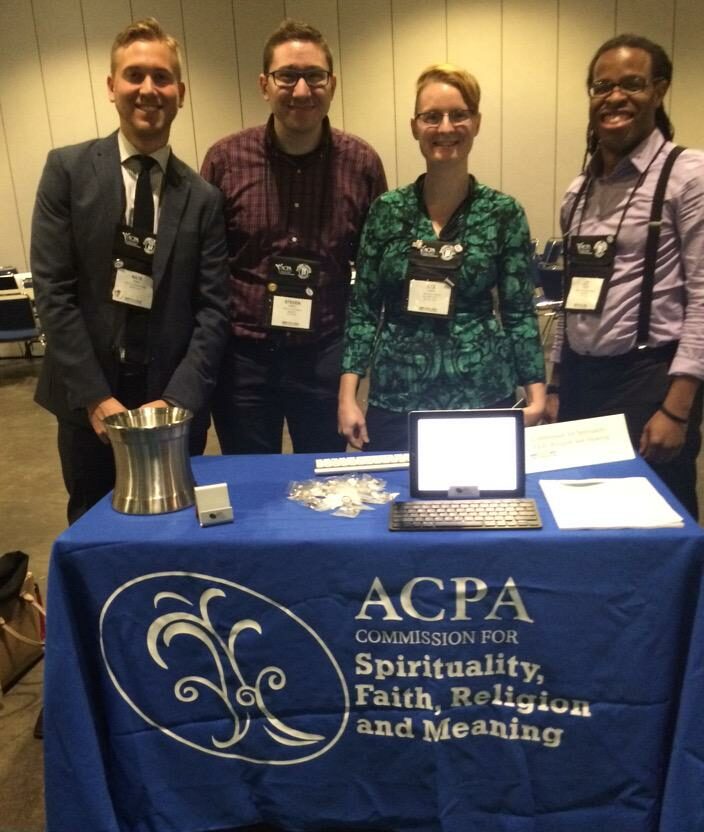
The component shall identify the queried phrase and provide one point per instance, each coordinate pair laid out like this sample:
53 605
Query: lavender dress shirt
677 312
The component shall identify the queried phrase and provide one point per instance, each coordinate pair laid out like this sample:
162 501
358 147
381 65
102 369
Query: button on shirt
678 299
130 171
311 206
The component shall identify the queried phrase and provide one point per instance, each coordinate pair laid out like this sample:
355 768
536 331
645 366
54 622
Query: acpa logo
223 669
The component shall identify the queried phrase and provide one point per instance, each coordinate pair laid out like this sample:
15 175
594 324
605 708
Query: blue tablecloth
318 672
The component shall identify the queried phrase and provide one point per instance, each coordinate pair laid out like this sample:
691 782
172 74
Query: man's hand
99 410
662 438
155 403
552 408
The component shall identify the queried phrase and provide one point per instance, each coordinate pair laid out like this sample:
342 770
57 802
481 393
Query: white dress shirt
130 171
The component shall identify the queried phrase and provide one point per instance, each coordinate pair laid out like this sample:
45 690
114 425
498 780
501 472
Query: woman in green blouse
435 258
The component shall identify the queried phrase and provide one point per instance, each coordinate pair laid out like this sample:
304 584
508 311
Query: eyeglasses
286 79
434 118
629 84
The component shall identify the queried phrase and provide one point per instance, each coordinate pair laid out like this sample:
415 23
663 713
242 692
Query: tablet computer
466 454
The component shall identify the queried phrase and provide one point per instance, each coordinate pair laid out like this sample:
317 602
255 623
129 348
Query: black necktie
137 320
143 215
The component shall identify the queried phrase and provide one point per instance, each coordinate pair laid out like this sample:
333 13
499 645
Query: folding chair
17 322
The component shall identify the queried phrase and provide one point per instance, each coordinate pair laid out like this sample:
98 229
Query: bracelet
553 388
678 419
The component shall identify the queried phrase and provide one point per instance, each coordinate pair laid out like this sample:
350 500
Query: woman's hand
350 420
351 424
533 415
534 411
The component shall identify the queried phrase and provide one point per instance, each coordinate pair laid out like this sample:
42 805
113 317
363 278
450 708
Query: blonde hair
146 29
462 80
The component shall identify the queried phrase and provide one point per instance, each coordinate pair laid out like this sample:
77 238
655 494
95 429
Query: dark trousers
264 382
634 384
87 464
387 429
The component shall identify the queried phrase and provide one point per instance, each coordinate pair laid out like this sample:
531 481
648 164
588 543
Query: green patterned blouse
474 359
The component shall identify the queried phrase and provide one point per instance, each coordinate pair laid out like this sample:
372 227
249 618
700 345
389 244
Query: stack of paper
619 503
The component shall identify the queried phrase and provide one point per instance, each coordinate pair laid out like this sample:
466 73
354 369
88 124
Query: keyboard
435 515
352 463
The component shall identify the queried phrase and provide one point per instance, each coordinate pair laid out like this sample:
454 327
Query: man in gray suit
128 257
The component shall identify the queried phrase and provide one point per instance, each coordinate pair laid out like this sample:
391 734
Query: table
319 672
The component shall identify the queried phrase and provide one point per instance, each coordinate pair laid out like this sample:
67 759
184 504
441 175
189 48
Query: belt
662 352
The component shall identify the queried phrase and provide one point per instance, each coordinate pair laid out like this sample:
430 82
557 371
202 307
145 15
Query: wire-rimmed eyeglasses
434 118
629 84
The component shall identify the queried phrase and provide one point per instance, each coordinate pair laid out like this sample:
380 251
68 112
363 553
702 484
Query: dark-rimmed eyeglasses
287 79
629 84
434 118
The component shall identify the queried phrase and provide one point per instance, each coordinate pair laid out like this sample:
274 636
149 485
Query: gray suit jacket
78 207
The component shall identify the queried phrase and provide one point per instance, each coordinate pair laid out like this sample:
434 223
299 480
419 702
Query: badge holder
431 279
133 255
291 294
589 268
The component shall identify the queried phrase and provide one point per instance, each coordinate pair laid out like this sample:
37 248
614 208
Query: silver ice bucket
152 465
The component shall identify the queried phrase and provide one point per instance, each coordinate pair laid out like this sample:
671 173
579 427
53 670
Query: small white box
213 504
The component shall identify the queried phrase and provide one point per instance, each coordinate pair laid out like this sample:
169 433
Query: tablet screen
474 452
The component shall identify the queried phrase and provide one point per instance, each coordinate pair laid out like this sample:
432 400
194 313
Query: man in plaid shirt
297 192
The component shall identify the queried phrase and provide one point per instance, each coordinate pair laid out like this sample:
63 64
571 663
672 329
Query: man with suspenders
632 339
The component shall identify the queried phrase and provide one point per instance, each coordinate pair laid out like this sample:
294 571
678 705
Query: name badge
289 312
429 297
133 288
584 293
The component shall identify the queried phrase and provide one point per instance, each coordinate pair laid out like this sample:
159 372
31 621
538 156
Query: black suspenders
651 248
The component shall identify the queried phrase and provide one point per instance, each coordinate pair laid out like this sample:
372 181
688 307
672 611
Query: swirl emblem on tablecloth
222 668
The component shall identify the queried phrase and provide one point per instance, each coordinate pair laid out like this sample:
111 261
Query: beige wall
530 57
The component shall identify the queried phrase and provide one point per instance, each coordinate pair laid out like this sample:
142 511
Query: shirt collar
450 229
638 159
272 144
127 150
